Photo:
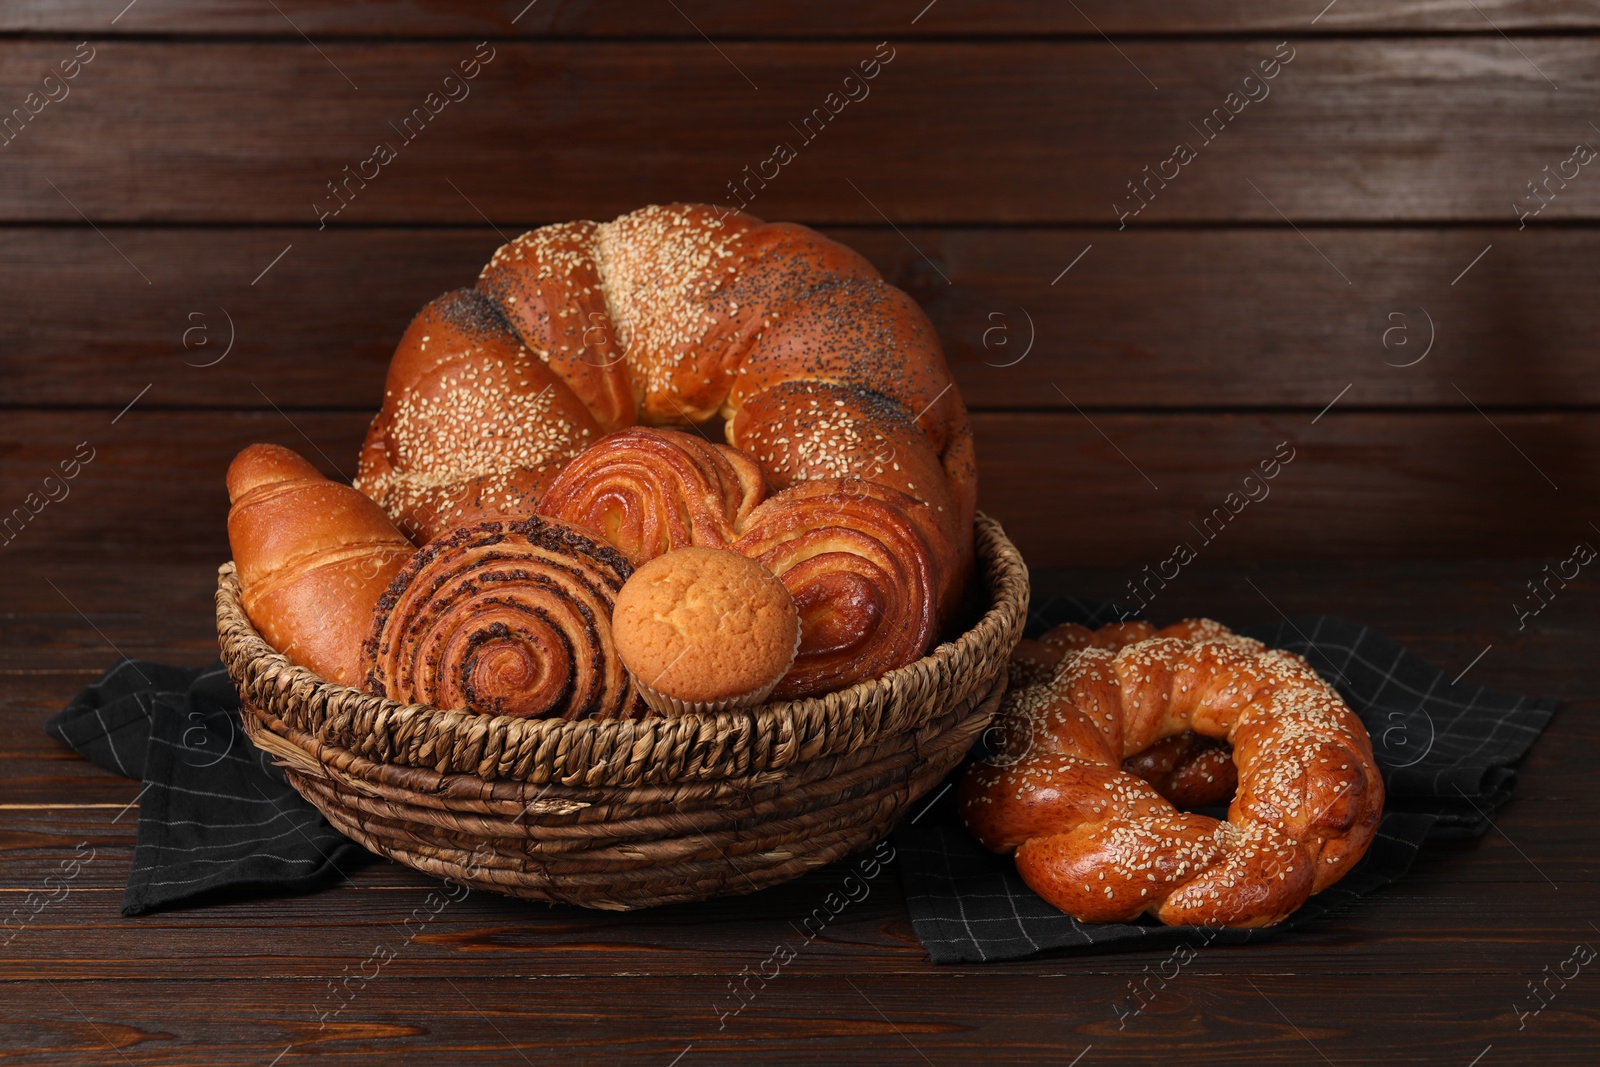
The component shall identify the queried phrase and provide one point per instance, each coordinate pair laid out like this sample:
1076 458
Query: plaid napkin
216 816
214 813
1445 748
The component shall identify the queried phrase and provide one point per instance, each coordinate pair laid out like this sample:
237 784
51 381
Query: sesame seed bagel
1096 839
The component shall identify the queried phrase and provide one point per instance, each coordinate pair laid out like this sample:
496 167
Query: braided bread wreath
1104 732
523 396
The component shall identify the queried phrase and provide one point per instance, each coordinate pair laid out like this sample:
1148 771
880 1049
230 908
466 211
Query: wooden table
1381 258
1433 970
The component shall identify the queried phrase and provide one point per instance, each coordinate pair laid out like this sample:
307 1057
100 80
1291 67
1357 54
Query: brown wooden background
987 156
1280 289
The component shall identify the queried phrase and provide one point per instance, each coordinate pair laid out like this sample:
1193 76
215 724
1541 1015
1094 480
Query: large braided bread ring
1103 845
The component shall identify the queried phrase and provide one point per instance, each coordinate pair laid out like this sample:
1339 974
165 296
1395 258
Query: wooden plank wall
1380 259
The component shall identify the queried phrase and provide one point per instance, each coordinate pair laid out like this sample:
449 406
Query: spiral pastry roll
650 491
856 558
505 617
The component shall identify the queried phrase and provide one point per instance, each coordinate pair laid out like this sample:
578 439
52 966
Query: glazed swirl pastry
650 491
863 574
507 617
1103 845
313 558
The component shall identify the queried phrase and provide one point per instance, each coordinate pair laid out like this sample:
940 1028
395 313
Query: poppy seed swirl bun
505 617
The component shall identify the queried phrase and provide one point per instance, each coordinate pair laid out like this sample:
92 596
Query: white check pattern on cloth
214 813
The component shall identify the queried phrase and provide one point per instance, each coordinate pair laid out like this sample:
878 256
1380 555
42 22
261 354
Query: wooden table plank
1448 484
54 638
951 132
1442 919
1249 317
790 18
955 1018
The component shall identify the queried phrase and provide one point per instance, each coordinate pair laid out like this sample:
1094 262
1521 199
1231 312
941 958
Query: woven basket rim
331 712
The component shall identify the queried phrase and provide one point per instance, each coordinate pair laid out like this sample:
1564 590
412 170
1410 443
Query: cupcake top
705 626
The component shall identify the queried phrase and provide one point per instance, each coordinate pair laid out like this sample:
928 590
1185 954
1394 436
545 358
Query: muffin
704 630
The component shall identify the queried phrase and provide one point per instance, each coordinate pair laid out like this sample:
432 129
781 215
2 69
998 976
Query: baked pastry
863 574
670 316
474 424
808 430
312 556
651 491
547 286
1034 659
1103 845
504 617
705 629
1190 770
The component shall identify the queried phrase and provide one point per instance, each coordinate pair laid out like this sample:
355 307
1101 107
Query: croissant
313 557
650 491
504 617
857 559
1104 845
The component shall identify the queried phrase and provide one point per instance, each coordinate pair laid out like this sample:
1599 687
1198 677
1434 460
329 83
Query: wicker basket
622 814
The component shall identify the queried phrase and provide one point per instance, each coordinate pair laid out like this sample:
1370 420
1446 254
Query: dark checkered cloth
215 816
1445 747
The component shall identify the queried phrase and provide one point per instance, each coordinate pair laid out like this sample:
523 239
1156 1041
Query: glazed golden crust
808 431
474 425
1189 770
804 430
313 556
667 272
1103 844
860 568
650 491
861 333
547 285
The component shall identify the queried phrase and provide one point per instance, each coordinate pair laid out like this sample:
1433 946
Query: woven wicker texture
621 814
